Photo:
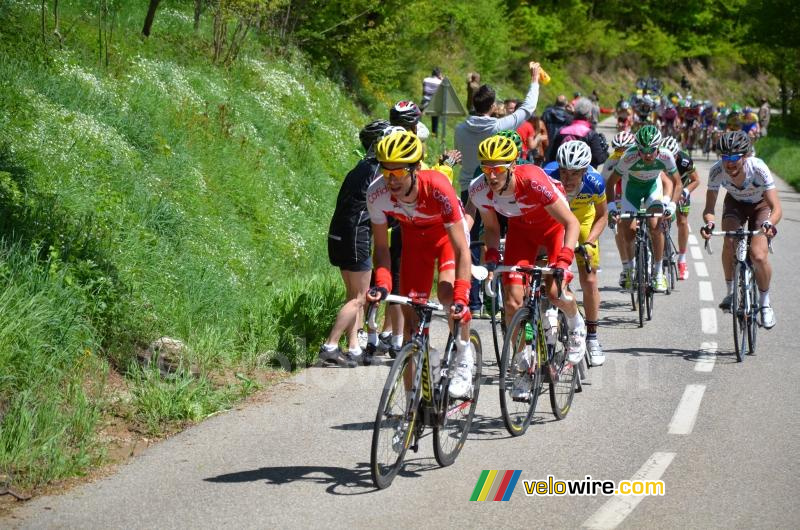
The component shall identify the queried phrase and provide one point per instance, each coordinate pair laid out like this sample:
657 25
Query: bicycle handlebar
640 215
546 271
396 299
738 233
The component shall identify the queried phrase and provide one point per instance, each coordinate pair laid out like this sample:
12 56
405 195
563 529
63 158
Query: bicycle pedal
414 447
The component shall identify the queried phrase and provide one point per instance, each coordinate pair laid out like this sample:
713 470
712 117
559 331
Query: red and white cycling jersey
533 190
436 204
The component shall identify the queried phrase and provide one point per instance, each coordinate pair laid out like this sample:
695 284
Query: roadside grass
161 196
781 151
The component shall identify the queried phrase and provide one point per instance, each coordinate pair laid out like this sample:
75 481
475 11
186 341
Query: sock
397 341
626 265
575 322
659 267
730 286
372 338
591 328
464 352
355 352
763 299
682 257
330 347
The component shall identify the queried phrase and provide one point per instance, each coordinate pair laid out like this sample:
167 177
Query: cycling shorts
594 252
752 213
636 191
352 253
523 242
422 248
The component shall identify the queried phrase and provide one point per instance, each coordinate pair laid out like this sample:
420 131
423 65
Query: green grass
160 196
781 151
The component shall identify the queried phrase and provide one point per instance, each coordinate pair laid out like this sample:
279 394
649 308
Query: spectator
534 140
473 84
764 115
429 87
575 97
511 105
581 129
476 129
595 117
556 116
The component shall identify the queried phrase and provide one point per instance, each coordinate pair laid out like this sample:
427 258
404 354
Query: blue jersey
591 193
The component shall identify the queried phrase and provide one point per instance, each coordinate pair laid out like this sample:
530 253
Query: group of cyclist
542 215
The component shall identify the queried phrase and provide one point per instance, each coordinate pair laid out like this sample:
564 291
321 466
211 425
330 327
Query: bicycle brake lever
708 247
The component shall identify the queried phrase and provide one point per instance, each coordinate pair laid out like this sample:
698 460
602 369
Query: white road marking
708 356
708 320
696 253
617 508
686 413
706 292
693 239
700 269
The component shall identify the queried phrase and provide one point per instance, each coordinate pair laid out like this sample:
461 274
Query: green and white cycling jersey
641 180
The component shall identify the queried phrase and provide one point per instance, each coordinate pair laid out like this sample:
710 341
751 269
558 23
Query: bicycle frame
644 263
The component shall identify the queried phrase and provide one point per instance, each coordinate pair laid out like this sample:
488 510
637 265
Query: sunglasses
397 173
732 158
491 169
647 150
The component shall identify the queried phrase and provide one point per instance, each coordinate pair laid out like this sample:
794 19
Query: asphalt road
671 403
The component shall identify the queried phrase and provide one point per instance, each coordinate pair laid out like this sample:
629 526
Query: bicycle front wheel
752 323
563 376
394 423
649 290
738 311
450 432
641 279
520 379
498 316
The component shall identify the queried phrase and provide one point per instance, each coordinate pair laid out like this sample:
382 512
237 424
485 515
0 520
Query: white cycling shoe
596 355
767 317
577 345
461 382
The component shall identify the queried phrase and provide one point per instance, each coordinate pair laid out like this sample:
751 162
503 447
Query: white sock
659 267
730 286
372 338
575 322
330 347
357 351
763 299
626 265
682 258
385 335
397 341
464 352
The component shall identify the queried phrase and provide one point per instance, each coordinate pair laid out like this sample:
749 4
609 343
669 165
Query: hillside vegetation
181 185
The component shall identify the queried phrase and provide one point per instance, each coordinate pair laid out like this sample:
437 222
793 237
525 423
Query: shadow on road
722 355
339 480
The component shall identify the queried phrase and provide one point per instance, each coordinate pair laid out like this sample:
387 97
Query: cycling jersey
350 232
436 204
685 166
641 181
757 180
749 122
587 196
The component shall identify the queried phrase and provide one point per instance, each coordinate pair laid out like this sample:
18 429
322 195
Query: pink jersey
533 190
436 204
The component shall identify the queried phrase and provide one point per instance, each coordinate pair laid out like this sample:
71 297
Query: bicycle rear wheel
649 290
450 432
641 279
394 423
563 376
517 352
498 316
752 327
738 311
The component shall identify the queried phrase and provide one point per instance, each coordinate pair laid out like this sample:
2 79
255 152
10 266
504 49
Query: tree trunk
151 15
57 30
784 95
44 8
198 10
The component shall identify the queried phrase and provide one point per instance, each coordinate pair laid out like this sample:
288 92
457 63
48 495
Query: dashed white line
696 253
686 413
706 292
708 320
708 356
700 269
693 239
617 508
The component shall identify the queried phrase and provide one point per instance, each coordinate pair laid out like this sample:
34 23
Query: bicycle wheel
394 423
563 377
752 323
738 312
517 350
641 279
498 316
450 432
649 291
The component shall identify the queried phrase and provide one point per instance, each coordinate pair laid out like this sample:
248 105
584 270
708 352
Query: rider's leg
683 235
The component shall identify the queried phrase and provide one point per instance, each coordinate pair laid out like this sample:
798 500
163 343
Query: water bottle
435 359
551 325
528 332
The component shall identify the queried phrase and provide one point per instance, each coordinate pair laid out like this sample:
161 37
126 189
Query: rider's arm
491 229
677 186
708 212
611 193
600 221
559 210
383 261
458 238
771 197
694 181
470 211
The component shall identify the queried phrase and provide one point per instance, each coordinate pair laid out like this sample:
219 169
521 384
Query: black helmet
372 132
405 113
734 143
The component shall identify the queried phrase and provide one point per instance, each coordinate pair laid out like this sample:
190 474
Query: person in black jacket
349 249
556 116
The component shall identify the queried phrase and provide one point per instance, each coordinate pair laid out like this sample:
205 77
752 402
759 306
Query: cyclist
690 180
433 229
640 170
750 123
752 199
624 116
586 193
620 143
349 249
538 217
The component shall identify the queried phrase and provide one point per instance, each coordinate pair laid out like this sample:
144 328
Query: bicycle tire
737 311
450 432
517 414
563 377
498 308
386 428
752 328
649 290
641 286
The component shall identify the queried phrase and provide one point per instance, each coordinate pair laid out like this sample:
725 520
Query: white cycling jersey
757 180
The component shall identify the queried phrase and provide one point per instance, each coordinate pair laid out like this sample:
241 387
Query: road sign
445 102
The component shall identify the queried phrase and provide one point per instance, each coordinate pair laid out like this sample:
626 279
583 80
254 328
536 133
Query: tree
151 15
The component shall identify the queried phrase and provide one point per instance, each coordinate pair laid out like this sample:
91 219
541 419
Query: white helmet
670 144
623 139
574 154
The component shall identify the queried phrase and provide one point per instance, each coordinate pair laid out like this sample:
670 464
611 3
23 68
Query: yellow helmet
497 149
399 147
